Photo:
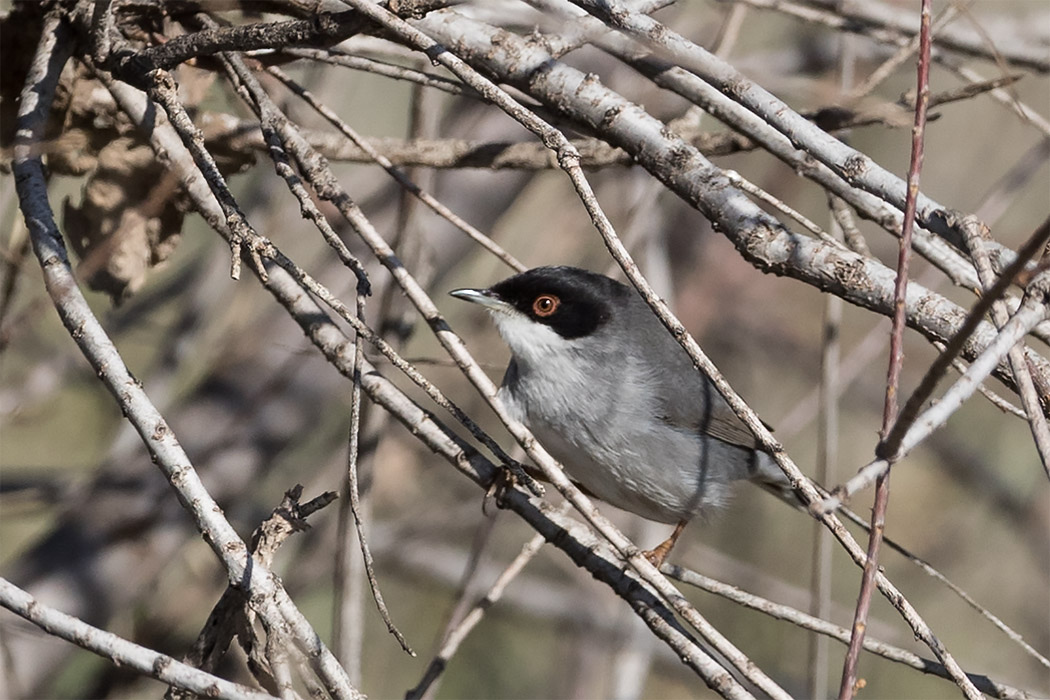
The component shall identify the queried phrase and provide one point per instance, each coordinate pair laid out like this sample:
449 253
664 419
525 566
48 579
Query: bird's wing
689 401
685 398
715 419
724 425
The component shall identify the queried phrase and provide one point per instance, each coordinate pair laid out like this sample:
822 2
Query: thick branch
760 238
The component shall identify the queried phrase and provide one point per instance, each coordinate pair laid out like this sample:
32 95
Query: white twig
828 630
808 224
288 289
975 235
273 601
120 651
1033 310
459 633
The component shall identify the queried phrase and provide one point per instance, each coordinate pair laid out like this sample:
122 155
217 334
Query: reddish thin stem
848 686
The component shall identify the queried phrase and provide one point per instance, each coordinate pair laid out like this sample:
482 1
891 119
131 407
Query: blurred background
89 524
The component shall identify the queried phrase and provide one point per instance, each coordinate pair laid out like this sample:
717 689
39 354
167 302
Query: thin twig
904 53
405 182
336 57
976 232
749 187
462 622
843 216
1025 113
825 629
848 685
996 400
965 92
355 498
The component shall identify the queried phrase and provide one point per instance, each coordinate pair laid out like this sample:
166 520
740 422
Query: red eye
545 305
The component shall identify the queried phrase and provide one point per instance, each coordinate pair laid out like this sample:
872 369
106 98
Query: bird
611 395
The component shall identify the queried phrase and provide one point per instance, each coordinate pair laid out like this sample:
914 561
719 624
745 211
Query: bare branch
848 686
120 651
841 634
97 347
338 350
758 237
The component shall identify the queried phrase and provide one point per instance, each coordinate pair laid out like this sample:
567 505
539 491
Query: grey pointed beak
483 297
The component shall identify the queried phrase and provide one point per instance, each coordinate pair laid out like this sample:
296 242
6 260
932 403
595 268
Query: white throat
532 343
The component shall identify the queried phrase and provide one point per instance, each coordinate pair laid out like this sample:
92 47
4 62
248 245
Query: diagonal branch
120 651
274 604
854 167
338 350
760 238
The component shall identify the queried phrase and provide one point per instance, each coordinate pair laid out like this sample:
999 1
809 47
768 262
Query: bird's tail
770 477
774 481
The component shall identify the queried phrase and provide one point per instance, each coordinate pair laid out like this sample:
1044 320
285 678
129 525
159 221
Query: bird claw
657 554
521 477
504 480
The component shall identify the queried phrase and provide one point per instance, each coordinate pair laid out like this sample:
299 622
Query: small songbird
614 398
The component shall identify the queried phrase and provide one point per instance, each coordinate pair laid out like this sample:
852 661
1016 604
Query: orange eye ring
545 305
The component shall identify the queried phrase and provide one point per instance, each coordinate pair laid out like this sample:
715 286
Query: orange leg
657 555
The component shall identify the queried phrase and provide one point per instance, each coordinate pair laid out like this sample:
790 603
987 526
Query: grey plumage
613 397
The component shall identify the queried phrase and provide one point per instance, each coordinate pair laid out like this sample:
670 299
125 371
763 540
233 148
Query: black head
571 301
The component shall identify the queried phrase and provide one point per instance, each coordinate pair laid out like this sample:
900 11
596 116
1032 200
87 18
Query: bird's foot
657 554
502 483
